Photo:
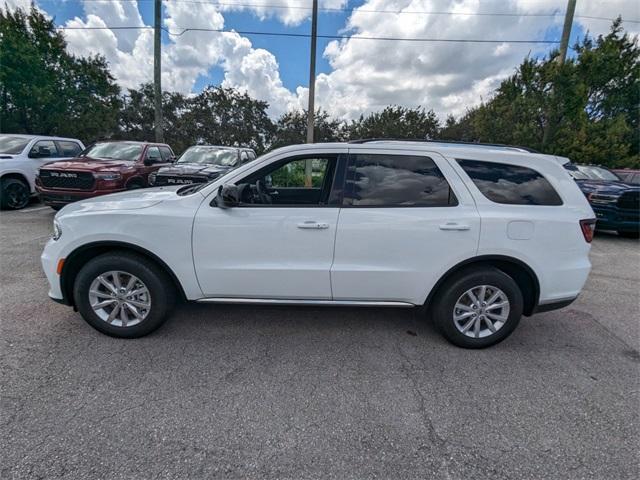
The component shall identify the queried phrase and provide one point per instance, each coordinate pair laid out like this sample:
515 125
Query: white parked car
479 235
20 158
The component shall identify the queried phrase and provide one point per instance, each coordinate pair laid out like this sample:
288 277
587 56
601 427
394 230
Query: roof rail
453 142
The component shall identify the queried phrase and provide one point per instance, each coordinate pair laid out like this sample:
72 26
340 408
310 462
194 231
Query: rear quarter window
510 184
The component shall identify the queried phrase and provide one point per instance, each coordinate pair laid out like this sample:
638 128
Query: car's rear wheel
123 294
14 194
478 307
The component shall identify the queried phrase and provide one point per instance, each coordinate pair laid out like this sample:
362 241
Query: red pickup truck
104 167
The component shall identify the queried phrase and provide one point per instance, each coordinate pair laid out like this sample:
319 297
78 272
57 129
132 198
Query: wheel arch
18 176
136 180
77 258
521 273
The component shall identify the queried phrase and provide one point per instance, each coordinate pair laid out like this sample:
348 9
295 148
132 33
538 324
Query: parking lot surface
294 393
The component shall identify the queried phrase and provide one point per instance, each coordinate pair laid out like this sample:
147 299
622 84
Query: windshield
598 173
129 152
12 145
210 156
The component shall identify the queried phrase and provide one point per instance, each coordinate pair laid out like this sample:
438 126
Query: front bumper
49 259
57 197
614 218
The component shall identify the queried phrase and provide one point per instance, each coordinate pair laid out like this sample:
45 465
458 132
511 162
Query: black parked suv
202 163
616 203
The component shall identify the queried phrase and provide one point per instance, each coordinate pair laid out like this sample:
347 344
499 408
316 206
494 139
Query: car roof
40 137
459 150
227 147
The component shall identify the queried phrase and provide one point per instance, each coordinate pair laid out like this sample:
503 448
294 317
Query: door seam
333 257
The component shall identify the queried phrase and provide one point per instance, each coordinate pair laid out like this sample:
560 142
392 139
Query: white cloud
365 75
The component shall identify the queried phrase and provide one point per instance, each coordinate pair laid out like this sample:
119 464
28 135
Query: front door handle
311 225
454 226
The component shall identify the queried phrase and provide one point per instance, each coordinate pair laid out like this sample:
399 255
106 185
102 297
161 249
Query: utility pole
566 31
308 165
550 126
157 86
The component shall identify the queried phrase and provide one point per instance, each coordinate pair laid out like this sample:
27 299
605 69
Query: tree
396 122
291 129
589 104
46 90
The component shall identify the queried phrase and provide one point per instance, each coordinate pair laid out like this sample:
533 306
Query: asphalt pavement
239 392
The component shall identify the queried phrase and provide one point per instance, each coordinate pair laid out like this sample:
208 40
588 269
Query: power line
362 10
306 35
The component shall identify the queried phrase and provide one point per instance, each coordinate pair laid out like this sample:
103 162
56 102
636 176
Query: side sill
555 305
327 303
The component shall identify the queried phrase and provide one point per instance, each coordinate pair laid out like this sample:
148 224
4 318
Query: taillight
588 226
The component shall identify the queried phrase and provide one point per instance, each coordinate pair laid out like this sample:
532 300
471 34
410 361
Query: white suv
478 235
20 158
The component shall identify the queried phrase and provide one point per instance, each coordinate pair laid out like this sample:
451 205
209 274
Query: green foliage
395 122
586 109
291 128
46 90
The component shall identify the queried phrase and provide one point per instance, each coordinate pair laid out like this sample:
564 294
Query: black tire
134 185
14 194
160 287
629 234
57 207
451 291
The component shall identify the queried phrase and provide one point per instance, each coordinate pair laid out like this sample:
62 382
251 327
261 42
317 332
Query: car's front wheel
478 307
123 294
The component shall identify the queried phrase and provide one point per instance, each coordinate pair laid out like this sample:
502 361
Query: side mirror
228 196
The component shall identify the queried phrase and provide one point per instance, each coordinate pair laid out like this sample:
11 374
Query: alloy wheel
481 311
120 298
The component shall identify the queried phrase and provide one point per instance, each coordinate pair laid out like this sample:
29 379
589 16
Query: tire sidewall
453 289
152 277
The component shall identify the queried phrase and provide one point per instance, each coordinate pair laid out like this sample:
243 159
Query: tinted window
510 184
44 148
167 154
206 155
396 181
69 149
153 154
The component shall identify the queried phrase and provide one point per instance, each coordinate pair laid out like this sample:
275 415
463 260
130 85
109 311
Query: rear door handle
311 225
454 226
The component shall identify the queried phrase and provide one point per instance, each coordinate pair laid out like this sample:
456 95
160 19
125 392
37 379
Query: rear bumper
555 305
58 197
613 218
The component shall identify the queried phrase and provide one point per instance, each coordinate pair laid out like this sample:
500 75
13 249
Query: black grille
629 201
179 180
65 179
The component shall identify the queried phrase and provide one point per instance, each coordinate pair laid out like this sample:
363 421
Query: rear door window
510 184
384 180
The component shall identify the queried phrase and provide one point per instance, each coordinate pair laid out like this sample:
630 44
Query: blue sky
354 76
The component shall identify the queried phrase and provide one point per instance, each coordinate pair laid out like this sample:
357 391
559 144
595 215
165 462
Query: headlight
57 230
108 176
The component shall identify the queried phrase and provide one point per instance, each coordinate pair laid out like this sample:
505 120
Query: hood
193 169
129 200
88 164
608 187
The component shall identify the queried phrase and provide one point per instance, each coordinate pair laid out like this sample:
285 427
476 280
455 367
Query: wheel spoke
483 293
116 280
468 325
496 318
134 310
103 304
130 284
462 306
462 316
114 314
139 304
476 327
490 324
494 297
109 286
497 305
137 292
100 294
472 296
